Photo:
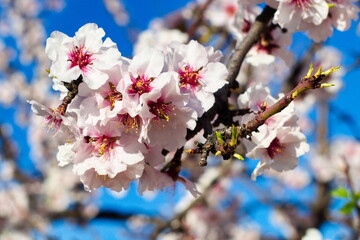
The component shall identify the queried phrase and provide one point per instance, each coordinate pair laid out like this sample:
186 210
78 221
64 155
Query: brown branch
73 88
243 47
245 130
290 81
306 83
198 19
173 167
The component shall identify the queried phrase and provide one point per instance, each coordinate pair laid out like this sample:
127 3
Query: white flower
340 16
200 73
103 104
244 18
54 118
158 38
142 73
165 114
272 44
291 13
85 54
278 148
105 156
221 12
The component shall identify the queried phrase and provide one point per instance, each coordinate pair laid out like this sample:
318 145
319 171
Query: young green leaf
340 192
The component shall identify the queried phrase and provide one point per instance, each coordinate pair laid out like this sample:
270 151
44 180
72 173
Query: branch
308 82
216 143
243 47
198 19
298 67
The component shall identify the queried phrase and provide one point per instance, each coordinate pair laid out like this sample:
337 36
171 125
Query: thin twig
198 19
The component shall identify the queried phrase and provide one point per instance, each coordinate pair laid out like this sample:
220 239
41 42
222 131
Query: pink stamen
111 96
140 85
189 78
303 4
275 148
79 56
102 145
161 110
129 122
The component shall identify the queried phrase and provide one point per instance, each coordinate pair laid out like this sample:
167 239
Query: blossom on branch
84 54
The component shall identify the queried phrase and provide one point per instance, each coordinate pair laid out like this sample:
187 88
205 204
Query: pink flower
85 54
54 118
104 156
278 148
340 16
292 13
142 73
153 179
103 104
166 116
272 44
200 73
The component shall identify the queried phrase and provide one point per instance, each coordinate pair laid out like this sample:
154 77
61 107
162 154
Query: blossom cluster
318 18
120 113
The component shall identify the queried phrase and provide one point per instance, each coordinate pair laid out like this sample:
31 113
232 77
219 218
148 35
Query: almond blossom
291 14
143 71
279 149
164 110
222 12
273 43
84 54
54 118
103 104
159 38
341 13
103 156
199 71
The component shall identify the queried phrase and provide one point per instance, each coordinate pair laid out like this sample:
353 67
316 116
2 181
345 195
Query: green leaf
356 196
347 208
219 138
340 192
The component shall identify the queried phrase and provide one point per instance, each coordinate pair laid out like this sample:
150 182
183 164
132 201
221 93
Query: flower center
161 110
129 122
275 148
266 42
189 78
79 56
140 85
101 145
303 4
112 95
231 10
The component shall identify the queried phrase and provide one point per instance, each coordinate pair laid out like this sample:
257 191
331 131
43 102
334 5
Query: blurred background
40 200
